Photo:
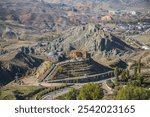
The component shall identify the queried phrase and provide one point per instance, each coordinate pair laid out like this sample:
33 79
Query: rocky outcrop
10 35
2 52
9 72
91 38
17 67
28 50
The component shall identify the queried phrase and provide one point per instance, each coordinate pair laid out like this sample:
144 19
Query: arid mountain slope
91 38
36 14
16 59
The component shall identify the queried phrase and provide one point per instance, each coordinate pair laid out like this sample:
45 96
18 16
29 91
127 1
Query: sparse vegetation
28 72
18 92
41 93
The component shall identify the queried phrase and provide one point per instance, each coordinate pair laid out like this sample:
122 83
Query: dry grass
7 93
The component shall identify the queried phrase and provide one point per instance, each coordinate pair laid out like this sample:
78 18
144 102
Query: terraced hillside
79 68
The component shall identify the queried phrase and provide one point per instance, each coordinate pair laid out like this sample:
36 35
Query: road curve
57 93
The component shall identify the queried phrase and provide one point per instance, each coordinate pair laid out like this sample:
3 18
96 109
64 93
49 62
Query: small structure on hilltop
56 56
75 54
145 47
106 18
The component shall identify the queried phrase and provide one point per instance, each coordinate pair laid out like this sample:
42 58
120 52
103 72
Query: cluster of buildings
74 54
128 28
132 28
124 12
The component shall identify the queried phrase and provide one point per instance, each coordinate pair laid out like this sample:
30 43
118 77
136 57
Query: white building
132 12
145 47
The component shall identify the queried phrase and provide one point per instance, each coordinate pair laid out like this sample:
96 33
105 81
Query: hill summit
91 38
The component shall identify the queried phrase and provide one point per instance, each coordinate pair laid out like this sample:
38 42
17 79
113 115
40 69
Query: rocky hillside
41 16
15 64
36 14
91 38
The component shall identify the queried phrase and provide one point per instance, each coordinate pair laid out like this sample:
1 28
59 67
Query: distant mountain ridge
115 4
96 1
37 14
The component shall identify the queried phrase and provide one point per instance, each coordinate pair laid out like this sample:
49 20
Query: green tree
123 76
140 79
77 80
135 71
139 66
116 82
133 93
72 94
134 83
127 74
28 72
60 69
116 73
91 91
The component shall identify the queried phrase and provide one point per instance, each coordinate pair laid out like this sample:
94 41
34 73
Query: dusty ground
108 89
144 55
144 38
